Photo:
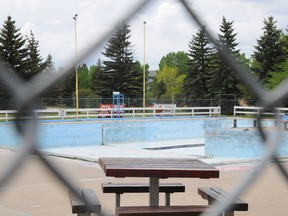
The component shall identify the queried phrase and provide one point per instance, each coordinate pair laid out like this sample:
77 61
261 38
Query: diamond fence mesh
27 94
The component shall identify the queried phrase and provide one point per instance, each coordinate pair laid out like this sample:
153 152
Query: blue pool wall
236 143
221 138
91 133
153 131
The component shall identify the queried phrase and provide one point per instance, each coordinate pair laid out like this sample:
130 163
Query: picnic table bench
209 193
121 188
79 207
160 210
215 193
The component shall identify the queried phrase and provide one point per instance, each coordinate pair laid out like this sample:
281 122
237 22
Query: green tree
223 79
277 77
69 85
198 67
175 59
169 79
84 77
120 72
13 54
160 89
65 89
87 99
51 95
97 77
12 47
35 63
49 66
246 63
85 92
284 43
268 53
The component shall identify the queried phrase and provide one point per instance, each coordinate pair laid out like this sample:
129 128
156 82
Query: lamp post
76 84
144 70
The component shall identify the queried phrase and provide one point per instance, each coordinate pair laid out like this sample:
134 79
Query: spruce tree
269 52
12 47
120 72
223 79
96 77
198 67
13 54
34 60
49 64
69 86
49 69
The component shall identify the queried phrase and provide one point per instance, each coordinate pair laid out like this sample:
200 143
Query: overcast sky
168 27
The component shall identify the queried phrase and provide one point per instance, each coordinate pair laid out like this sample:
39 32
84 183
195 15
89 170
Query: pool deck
190 148
33 190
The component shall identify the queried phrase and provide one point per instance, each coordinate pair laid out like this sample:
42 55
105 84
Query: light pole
76 84
144 70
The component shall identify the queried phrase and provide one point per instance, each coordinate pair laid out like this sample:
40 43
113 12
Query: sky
168 27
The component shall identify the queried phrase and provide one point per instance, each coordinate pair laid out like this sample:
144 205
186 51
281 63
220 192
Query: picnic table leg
230 213
154 191
117 200
83 214
167 199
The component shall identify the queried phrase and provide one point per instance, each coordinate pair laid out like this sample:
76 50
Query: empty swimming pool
221 139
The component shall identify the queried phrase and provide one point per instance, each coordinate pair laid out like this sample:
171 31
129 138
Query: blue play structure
118 106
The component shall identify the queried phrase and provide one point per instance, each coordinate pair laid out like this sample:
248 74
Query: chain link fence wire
26 93
268 99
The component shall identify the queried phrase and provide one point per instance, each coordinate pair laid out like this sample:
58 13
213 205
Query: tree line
199 73
203 74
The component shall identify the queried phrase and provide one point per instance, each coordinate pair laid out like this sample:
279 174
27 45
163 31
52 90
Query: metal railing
25 93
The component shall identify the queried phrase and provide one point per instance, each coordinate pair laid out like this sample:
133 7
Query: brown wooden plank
238 204
160 211
152 161
209 194
215 193
157 167
90 197
161 173
76 203
141 187
191 164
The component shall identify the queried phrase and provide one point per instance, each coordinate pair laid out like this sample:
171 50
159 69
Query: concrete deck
33 190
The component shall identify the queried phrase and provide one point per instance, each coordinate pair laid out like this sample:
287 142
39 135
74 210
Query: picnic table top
157 167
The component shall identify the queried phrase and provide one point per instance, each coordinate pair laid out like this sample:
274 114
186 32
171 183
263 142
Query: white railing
6 115
256 110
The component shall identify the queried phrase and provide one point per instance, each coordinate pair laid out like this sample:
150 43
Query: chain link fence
26 97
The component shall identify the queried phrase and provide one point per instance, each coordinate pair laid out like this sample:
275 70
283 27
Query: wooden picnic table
156 168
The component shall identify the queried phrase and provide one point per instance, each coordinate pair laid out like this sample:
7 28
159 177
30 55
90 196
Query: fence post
235 123
255 123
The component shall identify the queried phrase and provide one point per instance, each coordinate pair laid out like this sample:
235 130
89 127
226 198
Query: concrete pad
34 190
